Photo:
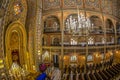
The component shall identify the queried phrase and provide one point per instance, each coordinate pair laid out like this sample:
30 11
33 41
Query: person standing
56 74
43 75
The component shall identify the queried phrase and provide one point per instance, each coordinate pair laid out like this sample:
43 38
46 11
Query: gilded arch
16 29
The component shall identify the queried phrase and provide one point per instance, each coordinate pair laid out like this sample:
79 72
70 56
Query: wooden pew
97 76
104 77
86 77
80 77
92 77
108 75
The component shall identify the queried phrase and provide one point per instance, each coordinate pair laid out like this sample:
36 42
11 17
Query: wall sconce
34 67
116 51
39 52
64 58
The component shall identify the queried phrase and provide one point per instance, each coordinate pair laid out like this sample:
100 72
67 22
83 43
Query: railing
82 44
51 29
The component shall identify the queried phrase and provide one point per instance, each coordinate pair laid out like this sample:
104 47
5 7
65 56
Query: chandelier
78 26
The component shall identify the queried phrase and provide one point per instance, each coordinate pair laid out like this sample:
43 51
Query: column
38 34
116 40
62 38
103 24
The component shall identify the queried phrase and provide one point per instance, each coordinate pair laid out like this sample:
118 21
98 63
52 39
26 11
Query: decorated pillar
38 34
3 9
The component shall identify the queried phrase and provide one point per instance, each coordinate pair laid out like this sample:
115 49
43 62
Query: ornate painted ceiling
106 6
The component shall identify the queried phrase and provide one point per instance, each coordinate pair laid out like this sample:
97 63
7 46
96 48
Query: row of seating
110 73
90 67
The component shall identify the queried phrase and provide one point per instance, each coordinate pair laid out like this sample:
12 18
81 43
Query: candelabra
16 72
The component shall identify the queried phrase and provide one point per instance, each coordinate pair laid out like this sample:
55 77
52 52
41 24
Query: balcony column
86 36
62 38
116 40
50 56
86 54
114 24
104 29
105 44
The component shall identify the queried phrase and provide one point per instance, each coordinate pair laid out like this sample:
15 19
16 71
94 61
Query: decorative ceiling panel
73 3
93 5
106 6
115 11
51 4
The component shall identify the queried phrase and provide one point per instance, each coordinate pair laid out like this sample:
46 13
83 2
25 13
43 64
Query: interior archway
15 43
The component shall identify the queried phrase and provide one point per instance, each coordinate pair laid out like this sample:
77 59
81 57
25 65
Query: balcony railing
51 29
83 44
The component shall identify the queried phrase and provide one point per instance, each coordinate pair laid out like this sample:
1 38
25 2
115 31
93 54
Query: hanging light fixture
78 26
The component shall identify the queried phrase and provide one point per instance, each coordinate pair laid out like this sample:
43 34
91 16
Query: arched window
73 41
45 56
56 41
89 58
109 26
17 8
97 24
118 27
91 41
73 58
103 40
51 24
118 40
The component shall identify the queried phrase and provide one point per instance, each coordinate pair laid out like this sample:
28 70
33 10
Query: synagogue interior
79 37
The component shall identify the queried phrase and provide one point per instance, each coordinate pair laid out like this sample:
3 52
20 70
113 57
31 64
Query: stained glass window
91 40
89 58
17 8
73 58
